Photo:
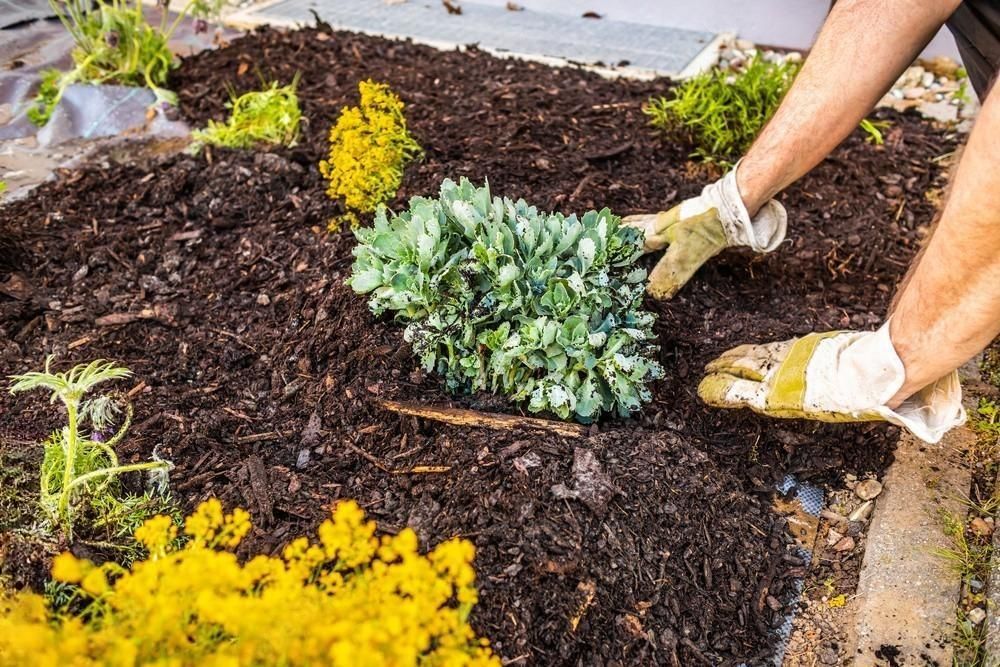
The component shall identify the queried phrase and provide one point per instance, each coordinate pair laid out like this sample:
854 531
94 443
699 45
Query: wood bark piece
476 419
158 313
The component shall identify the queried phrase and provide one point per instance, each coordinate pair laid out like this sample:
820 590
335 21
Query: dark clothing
976 27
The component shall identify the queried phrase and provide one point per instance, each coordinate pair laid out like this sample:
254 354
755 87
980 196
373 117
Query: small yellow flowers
351 598
369 146
66 568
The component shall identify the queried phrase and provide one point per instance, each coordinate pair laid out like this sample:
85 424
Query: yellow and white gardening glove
701 227
840 376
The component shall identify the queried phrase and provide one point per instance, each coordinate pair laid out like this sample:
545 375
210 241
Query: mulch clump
651 541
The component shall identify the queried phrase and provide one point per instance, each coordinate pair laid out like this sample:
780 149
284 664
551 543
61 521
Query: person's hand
840 376
701 227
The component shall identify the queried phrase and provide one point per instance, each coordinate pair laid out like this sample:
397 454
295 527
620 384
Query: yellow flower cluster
349 598
369 146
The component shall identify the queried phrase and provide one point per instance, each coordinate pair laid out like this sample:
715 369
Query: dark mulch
261 370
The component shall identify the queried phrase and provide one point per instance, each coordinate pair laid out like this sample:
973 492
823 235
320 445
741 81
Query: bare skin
948 308
862 49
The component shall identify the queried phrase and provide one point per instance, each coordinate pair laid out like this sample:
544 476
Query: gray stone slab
660 49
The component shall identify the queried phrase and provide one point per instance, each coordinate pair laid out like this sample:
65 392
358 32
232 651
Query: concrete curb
906 596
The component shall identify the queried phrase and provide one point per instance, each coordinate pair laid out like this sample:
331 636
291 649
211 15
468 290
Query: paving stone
660 49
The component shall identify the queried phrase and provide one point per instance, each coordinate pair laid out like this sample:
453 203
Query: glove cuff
762 233
868 372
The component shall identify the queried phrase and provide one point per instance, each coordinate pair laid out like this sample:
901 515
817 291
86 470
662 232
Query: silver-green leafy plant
499 296
80 460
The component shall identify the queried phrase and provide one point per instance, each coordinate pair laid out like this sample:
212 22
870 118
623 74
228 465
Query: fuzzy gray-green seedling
80 460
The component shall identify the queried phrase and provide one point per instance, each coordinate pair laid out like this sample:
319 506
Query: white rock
744 44
863 512
976 616
943 112
914 93
868 489
793 57
927 79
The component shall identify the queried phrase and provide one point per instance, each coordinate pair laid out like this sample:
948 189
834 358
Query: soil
258 373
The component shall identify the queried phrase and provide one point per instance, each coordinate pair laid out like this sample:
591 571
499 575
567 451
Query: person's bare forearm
862 49
949 307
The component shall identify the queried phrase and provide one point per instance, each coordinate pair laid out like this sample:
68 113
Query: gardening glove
701 227
840 376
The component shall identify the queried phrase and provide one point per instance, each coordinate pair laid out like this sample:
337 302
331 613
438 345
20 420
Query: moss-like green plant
80 460
721 112
113 43
268 117
369 147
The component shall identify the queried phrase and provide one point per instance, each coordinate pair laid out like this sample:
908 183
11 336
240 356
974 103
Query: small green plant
268 117
498 296
969 555
721 112
985 421
873 130
80 461
113 43
369 147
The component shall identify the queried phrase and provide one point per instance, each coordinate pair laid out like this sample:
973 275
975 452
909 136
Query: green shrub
258 118
498 296
113 43
721 112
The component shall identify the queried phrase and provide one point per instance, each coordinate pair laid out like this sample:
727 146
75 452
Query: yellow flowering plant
369 146
347 598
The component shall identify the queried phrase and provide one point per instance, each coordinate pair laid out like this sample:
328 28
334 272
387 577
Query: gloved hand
701 227
840 376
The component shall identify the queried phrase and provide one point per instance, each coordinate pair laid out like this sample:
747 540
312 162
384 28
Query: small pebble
976 616
263 299
303 459
980 528
868 489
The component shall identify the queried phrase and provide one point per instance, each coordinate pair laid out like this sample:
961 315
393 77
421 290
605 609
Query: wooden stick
476 419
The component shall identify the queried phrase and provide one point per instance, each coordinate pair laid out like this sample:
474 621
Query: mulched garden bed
651 541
